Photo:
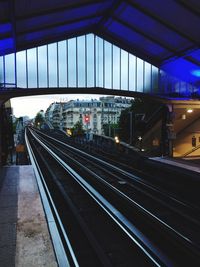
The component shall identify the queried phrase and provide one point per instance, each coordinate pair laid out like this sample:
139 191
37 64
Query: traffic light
87 118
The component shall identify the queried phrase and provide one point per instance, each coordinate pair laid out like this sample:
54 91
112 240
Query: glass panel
81 61
72 62
62 63
42 66
183 88
132 74
140 74
147 78
32 67
108 64
53 71
116 68
155 79
10 70
21 69
90 60
124 70
99 61
52 59
1 71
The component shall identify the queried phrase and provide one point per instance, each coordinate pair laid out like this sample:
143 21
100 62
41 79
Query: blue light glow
181 69
5 28
196 73
6 45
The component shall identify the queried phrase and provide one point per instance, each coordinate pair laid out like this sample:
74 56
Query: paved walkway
24 235
186 164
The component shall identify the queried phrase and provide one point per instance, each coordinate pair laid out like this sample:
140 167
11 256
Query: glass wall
43 80
1 71
32 68
53 74
21 66
62 63
10 69
85 61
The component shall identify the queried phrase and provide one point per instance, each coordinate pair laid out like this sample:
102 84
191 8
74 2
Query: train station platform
24 235
189 164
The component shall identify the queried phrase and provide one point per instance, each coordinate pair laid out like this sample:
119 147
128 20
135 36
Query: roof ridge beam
187 6
176 53
161 21
60 9
98 14
108 14
152 39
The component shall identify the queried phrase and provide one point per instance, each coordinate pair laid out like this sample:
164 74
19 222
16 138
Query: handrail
153 118
154 113
190 151
187 126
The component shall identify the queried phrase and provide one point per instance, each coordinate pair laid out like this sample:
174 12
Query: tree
124 125
15 125
77 129
39 119
110 129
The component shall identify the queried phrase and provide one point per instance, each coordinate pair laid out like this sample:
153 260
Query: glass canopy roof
163 33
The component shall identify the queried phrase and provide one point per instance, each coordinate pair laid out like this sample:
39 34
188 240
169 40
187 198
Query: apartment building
93 114
53 114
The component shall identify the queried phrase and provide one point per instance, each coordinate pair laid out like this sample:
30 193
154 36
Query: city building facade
93 114
53 114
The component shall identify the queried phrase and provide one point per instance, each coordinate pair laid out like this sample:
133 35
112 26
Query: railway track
177 182
143 225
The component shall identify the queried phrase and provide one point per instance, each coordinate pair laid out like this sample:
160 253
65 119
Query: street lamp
131 127
116 139
140 139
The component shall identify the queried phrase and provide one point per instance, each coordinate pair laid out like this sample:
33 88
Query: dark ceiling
165 33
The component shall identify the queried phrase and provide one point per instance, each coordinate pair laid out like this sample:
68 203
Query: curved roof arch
163 33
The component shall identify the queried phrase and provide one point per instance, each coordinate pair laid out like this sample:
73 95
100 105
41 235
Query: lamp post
131 127
140 139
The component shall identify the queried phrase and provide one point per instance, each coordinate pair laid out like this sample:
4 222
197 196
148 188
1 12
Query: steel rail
136 204
148 248
48 204
123 172
161 194
167 227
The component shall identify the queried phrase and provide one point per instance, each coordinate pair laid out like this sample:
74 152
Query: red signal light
87 118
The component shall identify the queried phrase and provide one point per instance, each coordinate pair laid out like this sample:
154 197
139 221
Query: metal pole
120 69
76 62
47 65
95 84
37 66
131 127
128 72
57 64
26 69
103 64
85 60
67 62
4 71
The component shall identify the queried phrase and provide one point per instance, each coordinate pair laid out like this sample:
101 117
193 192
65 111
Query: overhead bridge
130 48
